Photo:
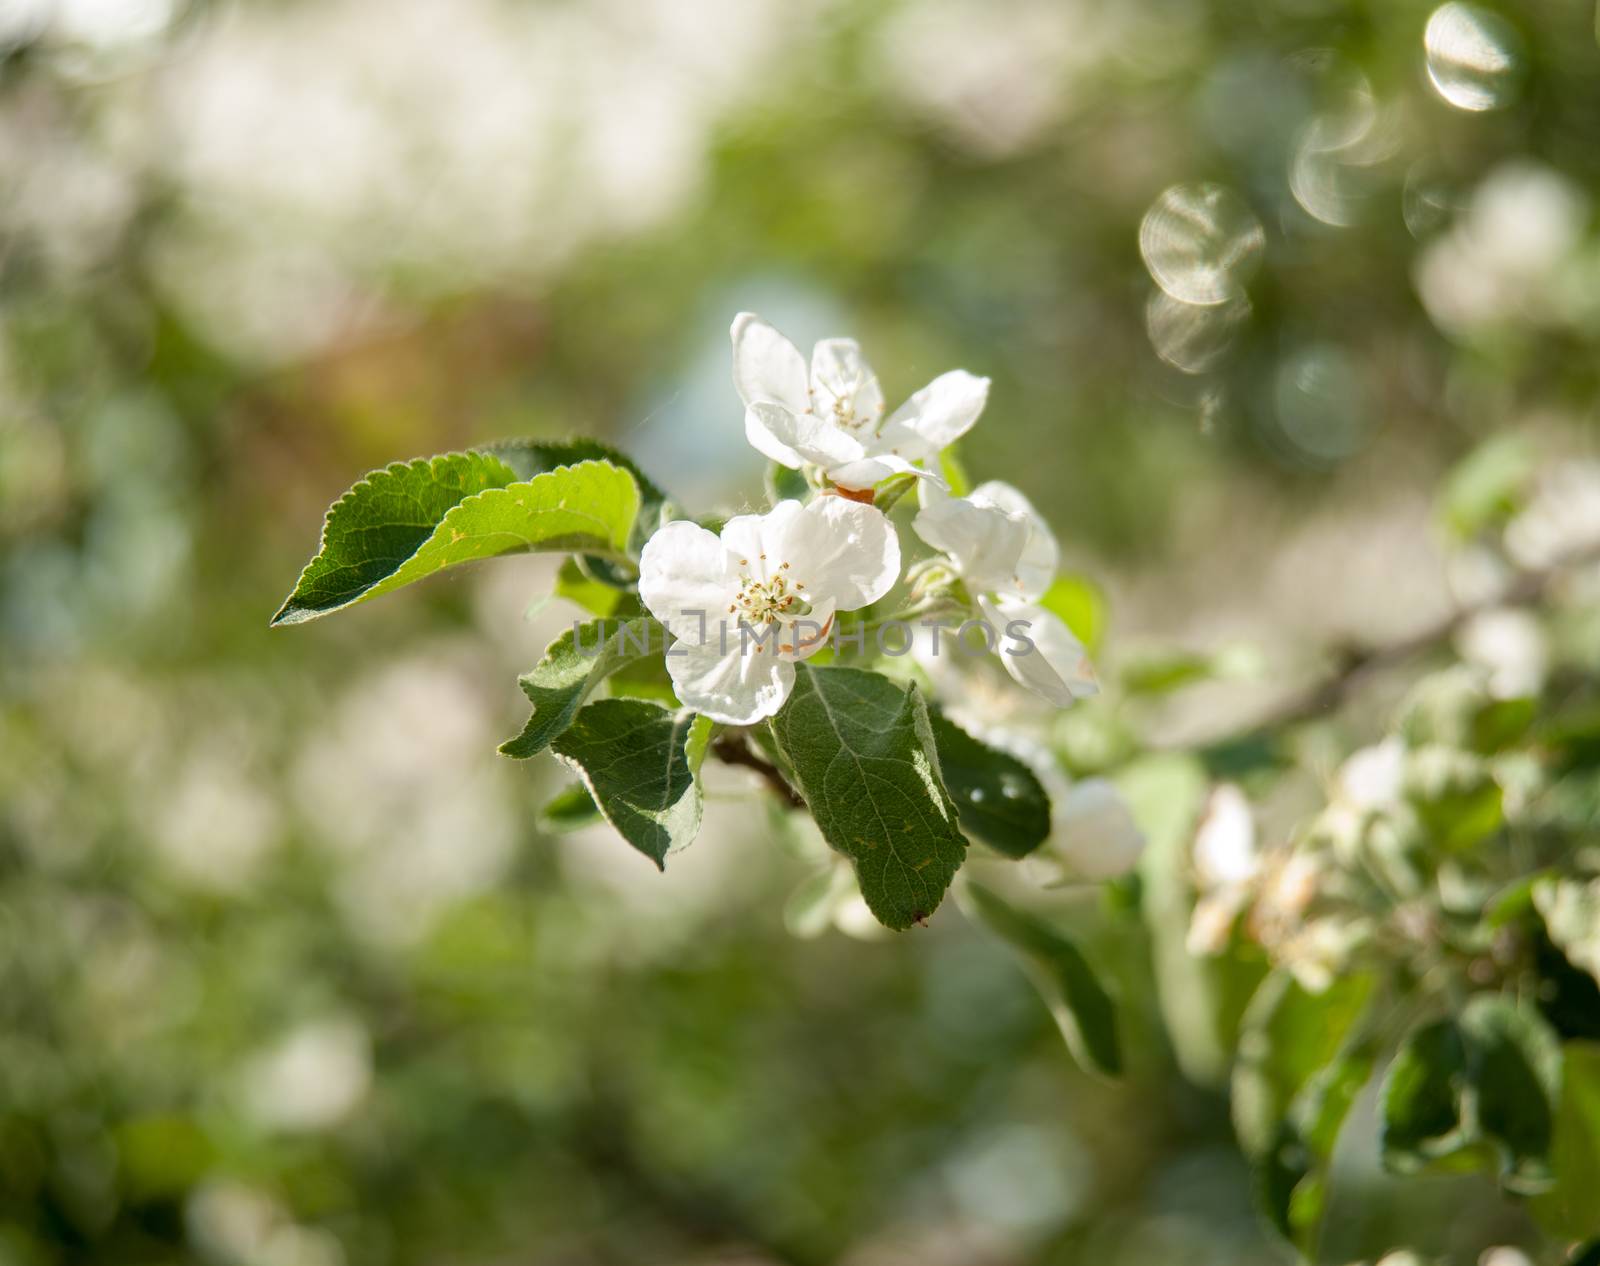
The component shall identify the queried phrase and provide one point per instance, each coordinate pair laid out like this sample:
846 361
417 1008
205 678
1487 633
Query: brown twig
731 749
1355 664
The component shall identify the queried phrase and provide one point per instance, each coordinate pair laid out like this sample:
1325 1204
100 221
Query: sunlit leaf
1081 604
412 520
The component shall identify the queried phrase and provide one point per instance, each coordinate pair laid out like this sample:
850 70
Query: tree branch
1356 664
731 749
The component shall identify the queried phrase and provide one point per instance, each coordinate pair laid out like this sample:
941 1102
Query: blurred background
289 975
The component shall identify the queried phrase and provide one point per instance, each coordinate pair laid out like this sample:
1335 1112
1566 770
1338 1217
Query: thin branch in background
731 749
1355 665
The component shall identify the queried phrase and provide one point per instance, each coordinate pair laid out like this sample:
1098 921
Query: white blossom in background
1092 830
1506 258
312 1078
395 787
238 1225
1561 519
1227 864
216 823
995 75
831 414
316 150
1005 552
1509 645
747 604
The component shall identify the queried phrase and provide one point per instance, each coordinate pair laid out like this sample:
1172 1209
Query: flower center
767 601
838 403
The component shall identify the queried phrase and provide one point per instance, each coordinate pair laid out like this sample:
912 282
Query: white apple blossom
1227 867
831 415
748 603
1094 832
1004 551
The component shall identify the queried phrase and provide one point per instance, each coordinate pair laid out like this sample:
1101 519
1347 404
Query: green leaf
536 457
863 753
784 484
571 808
1487 486
1000 800
1422 1098
1201 999
1516 1079
411 520
1585 1254
1161 671
641 764
1081 604
1293 1084
1080 1004
1287 1036
1456 797
573 665
954 471
1482 1087
1569 1208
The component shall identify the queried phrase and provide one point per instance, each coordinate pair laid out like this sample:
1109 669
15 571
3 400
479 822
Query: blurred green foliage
291 972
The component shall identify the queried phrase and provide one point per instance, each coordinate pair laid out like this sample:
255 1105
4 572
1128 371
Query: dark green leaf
1081 1006
1516 1080
641 763
573 665
409 521
1422 1098
1477 1089
863 753
1000 799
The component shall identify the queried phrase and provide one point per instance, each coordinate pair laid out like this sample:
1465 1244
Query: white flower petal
843 385
1035 570
1041 654
735 688
686 577
984 542
1224 850
869 472
767 366
938 415
796 438
843 552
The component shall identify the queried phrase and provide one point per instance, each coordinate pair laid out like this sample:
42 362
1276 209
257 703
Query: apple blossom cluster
769 640
749 602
